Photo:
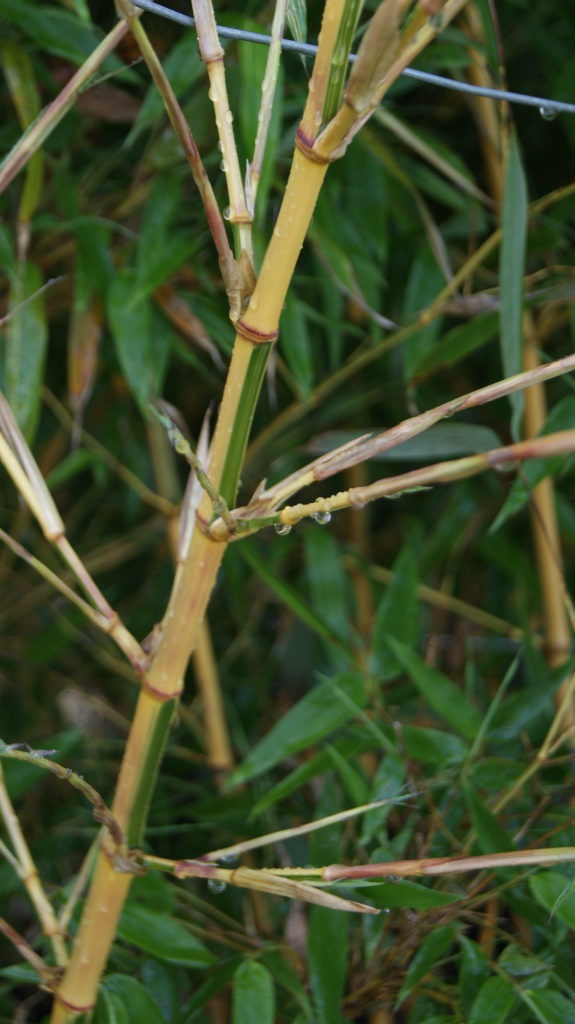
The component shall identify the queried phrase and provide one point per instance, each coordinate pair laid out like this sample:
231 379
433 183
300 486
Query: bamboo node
306 148
255 336
160 695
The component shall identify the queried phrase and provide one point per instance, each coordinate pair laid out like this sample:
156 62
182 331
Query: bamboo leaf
432 949
163 937
433 746
441 694
315 716
405 894
561 417
141 337
183 68
556 894
493 838
457 344
339 61
512 269
288 595
397 615
253 997
128 999
327 955
59 32
473 972
26 342
550 1007
296 19
493 1002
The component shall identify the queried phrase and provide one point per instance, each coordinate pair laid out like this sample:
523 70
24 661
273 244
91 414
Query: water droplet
282 529
224 166
228 117
230 860
548 113
211 95
216 885
322 517
227 212
220 147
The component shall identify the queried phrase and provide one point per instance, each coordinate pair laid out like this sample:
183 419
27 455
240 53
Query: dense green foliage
341 685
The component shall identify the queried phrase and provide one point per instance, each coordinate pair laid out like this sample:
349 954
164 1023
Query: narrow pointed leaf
493 1003
315 716
253 996
512 269
163 937
26 342
441 694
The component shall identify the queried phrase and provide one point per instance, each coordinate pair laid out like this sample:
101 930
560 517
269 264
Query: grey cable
547 108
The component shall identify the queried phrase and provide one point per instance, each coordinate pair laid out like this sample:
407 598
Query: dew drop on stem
548 113
322 517
216 885
227 212
282 529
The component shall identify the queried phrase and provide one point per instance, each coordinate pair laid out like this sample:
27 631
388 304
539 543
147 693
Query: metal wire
549 109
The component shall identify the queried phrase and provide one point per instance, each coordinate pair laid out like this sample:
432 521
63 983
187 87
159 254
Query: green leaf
473 971
397 615
26 341
404 894
327 956
441 694
388 782
328 581
129 999
252 69
492 837
141 336
551 1007
315 716
431 950
59 32
296 19
556 894
433 746
561 417
512 268
253 996
285 591
425 280
183 68
457 344
110 1009
295 343
163 937
493 1002
161 249
313 766
440 441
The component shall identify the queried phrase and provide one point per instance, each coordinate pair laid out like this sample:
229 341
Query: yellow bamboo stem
98 926
220 754
546 537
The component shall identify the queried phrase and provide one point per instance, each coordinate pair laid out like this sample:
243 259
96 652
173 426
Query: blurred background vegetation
134 305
